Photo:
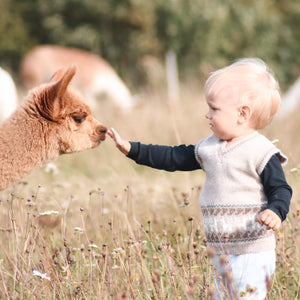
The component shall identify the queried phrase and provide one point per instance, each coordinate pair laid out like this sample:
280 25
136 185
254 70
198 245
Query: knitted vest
233 195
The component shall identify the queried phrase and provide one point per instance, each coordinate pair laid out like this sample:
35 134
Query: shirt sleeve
276 188
168 158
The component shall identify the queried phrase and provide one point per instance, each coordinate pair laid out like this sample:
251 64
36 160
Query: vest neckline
225 149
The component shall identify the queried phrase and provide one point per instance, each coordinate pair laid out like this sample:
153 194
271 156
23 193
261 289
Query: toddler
245 196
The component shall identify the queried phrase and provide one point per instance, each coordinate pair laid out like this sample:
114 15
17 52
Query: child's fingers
269 219
113 134
110 132
274 223
262 218
122 145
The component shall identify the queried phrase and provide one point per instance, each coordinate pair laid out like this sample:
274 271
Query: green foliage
205 34
15 39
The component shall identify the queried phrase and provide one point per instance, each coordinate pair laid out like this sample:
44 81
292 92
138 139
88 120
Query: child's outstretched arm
270 219
123 145
168 158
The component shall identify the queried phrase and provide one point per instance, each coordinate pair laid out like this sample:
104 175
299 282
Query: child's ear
244 113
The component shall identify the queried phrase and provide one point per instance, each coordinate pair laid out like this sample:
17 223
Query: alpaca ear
52 96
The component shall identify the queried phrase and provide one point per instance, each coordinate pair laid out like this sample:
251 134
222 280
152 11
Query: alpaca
8 95
290 100
96 78
52 121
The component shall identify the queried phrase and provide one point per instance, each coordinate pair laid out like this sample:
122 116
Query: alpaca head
67 114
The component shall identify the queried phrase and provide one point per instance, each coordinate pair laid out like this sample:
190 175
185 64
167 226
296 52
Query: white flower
49 212
114 267
78 229
93 246
105 211
118 250
41 275
138 243
51 168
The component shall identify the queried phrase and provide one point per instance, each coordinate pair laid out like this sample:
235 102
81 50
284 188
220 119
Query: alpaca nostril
102 129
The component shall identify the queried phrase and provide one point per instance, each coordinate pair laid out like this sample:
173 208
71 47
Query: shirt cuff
134 149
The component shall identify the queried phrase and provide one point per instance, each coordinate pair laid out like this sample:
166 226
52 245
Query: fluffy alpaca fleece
96 79
53 120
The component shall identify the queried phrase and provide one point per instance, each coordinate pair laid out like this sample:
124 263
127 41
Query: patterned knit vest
233 195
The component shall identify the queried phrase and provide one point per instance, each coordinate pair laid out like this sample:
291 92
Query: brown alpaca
52 121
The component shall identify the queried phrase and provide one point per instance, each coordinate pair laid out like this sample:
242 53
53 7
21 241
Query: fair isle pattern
233 196
234 229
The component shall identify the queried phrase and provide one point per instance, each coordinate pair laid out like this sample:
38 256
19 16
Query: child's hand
122 145
270 219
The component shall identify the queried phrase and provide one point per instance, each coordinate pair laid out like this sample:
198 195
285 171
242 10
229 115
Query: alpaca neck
25 145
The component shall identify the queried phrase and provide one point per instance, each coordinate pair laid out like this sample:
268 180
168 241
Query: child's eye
78 120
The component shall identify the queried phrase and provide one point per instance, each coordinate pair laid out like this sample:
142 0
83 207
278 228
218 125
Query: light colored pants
244 276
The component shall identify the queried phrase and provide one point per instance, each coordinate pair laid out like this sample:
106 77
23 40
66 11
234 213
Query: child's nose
208 116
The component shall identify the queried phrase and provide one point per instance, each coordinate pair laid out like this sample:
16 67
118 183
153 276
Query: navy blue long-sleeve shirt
182 158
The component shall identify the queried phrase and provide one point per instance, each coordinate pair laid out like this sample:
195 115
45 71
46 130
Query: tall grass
102 227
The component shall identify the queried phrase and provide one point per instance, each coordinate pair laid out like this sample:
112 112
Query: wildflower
93 246
105 211
49 212
280 234
30 203
49 219
118 250
76 249
115 267
51 168
97 255
41 275
243 294
78 229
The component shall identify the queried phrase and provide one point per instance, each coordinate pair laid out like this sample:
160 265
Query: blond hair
253 83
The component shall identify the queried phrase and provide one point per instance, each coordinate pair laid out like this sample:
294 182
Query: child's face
223 115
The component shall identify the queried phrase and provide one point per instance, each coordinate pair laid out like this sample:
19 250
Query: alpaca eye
78 120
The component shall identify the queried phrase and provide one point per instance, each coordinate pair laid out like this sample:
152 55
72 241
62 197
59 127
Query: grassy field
95 225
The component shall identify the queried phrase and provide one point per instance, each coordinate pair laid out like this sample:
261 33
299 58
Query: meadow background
95 225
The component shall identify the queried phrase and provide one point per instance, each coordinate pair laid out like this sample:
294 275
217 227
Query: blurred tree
15 40
213 33
205 34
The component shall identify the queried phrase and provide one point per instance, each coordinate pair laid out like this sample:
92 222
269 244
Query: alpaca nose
101 129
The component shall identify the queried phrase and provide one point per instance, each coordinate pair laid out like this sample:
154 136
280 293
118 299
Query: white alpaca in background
8 95
290 100
96 78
